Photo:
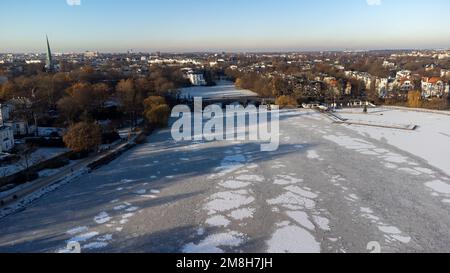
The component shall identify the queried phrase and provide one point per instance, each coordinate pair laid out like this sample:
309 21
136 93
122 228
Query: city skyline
232 26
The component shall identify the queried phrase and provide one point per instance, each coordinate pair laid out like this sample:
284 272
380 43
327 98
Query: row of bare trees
85 91
74 99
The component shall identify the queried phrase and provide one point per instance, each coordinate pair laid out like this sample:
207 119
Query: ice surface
293 239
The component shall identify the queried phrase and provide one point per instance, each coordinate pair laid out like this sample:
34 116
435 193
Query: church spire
49 66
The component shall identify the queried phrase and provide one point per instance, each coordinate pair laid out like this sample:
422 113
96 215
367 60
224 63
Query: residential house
20 128
404 81
445 73
442 56
195 77
434 87
5 112
6 139
430 67
360 76
403 74
389 65
333 85
382 87
405 85
348 89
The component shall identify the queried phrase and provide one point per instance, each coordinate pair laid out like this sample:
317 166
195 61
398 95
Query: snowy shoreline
428 141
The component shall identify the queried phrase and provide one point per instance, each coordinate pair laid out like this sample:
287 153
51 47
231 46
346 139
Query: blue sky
223 25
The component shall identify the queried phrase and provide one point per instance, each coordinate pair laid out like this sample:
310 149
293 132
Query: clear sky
222 25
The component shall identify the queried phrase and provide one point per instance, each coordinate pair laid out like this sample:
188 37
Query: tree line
85 95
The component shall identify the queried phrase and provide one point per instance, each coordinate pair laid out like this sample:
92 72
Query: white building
390 65
20 128
5 113
33 61
433 87
403 74
348 89
174 61
430 67
382 86
405 85
6 139
360 76
442 56
445 73
196 78
91 54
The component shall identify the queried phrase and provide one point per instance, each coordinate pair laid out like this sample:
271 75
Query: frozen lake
429 141
329 188
223 90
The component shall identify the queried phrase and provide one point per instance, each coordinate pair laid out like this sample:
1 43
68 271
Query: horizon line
234 51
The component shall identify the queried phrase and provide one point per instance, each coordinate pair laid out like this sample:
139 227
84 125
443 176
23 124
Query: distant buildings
173 61
442 55
91 54
33 61
404 82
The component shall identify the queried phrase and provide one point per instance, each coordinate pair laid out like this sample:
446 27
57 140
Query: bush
414 99
157 111
83 137
286 102
436 104
154 101
159 115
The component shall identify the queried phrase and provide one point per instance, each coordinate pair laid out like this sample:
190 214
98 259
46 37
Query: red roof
432 80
